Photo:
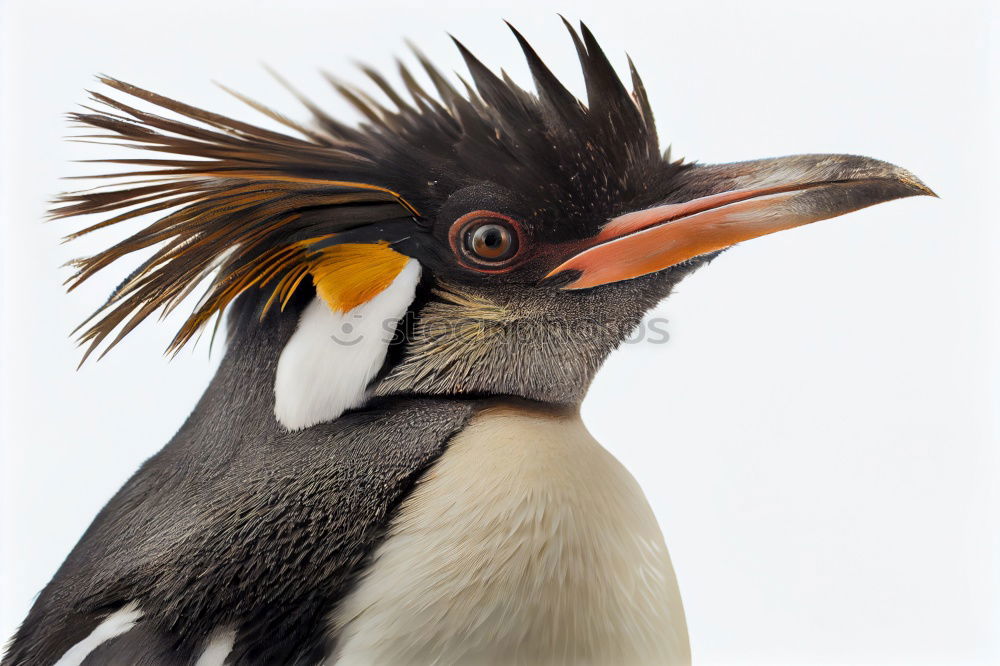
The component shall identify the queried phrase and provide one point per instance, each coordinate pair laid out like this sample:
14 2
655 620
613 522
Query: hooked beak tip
922 189
757 198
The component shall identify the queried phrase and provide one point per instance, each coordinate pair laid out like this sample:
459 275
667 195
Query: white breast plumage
526 543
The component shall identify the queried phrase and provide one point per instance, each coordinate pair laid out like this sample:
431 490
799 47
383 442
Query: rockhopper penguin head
469 237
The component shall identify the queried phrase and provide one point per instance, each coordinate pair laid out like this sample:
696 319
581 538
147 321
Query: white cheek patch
329 361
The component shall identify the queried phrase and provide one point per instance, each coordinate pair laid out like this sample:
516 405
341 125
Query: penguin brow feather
240 199
241 206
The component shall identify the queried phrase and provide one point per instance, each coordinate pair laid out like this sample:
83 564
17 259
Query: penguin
389 466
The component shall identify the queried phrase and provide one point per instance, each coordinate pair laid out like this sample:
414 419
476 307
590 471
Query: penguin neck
517 341
238 404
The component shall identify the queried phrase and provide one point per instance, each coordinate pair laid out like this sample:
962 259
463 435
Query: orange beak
746 200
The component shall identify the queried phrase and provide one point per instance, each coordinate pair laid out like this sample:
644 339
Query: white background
820 436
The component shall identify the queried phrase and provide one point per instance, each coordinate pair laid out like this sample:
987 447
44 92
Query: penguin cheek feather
362 291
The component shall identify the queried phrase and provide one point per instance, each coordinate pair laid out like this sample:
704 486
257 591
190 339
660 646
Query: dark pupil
490 241
492 238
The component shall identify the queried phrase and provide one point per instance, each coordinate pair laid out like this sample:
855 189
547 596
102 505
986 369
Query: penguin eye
489 241
486 241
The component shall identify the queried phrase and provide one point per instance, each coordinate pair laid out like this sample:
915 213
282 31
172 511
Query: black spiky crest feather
246 203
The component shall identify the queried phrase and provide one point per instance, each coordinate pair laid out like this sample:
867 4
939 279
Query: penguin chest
526 543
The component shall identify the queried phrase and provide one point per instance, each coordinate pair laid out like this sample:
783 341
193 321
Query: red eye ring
487 242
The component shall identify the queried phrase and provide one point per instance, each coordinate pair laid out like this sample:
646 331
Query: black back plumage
238 523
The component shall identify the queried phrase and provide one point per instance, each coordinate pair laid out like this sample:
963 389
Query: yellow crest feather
351 274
